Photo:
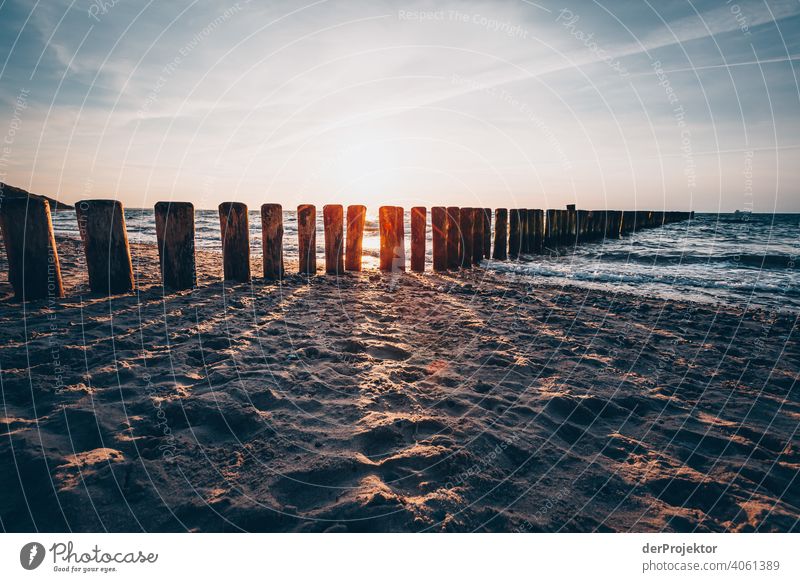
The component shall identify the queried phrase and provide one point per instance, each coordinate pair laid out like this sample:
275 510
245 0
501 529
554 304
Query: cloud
322 97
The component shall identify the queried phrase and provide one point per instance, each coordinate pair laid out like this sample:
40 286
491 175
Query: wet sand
463 402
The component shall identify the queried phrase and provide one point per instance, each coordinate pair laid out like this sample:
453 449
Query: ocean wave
669 257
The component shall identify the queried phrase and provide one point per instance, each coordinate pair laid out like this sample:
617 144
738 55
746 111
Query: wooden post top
168 203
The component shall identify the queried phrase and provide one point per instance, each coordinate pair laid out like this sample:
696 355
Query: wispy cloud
304 99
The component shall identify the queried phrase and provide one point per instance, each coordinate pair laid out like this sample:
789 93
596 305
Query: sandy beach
380 402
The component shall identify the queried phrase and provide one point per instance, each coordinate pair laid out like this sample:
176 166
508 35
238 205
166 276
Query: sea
743 259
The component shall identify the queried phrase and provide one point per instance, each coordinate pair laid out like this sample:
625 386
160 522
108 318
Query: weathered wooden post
477 235
581 226
439 237
393 254
554 233
538 235
307 238
565 227
602 224
530 220
175 236
356 218
572 224
419 217
453 237
332 221
33 267
272 240
619 223
627 221
465 222
105 243
550 227
500 234
525 227
487 232
515 233
401 229
523 231
557 233
235 231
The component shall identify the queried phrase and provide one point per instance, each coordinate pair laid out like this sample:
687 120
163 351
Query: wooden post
500 234
401 231
582 234
572 225
601 223
272 240
530 219
33 268
175 236
487 232
591 225
439 237
453 237
627 221
392 255
477 235
539 237
307 238
524 235
356 218
549 227
563 226
332 219
553 227
515 233
559 227
467 234
105 243
419 216
235 231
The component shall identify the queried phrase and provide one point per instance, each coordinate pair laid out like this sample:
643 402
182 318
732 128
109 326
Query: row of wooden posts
461 237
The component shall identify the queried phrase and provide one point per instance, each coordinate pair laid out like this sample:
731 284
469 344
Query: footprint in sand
388 352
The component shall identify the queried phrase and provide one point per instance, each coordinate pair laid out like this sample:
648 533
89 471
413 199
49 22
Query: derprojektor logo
31 555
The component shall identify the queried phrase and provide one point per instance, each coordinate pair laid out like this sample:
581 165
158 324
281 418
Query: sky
620 105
